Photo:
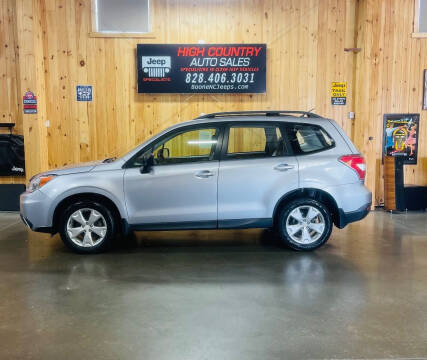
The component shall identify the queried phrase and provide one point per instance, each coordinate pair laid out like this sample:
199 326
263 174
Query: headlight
38 181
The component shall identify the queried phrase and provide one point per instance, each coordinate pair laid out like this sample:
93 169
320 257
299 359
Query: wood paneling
389 183
389 79
9 99
30 25
305 42
305 39
8 60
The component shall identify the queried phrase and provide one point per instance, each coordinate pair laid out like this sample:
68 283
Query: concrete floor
217 295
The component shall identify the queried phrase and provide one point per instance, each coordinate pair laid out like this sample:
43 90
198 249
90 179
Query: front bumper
27 222
346 218
34 211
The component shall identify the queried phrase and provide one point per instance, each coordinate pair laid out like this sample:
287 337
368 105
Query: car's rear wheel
87 227
304 224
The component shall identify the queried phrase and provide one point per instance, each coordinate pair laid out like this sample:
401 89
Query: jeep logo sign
201 68
150 61
156 66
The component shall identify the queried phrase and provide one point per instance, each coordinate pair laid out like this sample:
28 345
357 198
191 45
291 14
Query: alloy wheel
86 227
305 224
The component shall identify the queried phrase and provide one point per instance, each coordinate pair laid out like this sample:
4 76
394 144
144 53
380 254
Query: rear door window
306 138
255 141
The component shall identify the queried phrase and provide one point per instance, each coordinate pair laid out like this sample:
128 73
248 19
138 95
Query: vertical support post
30 15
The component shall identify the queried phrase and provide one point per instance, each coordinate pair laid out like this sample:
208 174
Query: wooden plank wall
305 39
389 79
10 111
305 42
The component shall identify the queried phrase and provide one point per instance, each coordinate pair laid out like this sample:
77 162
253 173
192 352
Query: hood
73 169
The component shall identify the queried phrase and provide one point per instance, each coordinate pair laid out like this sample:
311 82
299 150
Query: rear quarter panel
324 171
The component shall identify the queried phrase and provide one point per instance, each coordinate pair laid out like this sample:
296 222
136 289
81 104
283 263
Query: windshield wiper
108 160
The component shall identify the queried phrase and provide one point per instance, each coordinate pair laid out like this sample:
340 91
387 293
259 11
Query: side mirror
147 164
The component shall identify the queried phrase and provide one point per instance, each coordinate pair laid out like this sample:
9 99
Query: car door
180 191
256 170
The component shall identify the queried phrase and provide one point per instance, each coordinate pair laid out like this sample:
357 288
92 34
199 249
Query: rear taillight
356 162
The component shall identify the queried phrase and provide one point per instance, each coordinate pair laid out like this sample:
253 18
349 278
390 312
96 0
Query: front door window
189 146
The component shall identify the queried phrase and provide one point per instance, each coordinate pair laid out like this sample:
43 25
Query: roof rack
254 113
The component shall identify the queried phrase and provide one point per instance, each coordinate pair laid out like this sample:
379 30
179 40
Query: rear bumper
349 217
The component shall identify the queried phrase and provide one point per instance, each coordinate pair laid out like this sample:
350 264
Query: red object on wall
29 101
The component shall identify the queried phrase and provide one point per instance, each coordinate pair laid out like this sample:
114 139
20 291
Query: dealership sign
201 68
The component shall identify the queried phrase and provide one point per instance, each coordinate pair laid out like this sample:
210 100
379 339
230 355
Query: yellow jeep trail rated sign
339 93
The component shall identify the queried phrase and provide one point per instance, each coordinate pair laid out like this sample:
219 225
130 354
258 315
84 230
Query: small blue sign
84 92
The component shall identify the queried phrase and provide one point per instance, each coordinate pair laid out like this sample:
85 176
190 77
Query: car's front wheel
87 227
304 224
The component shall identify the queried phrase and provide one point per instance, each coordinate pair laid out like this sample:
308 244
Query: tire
304 234
93 232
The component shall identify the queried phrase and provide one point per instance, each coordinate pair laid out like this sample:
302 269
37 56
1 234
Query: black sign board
201 68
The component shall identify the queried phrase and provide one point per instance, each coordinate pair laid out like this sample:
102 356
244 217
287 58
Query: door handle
283 167
204 174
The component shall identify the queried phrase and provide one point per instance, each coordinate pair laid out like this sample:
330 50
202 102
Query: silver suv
292 171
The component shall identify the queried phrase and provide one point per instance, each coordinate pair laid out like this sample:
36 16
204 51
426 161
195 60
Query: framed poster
401 136
201 68
425 91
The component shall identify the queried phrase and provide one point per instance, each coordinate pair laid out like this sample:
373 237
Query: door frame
182 225
247 223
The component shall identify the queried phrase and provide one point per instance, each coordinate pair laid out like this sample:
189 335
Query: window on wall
420 18
121 17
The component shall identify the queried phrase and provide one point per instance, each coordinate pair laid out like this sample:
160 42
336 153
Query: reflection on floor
217 295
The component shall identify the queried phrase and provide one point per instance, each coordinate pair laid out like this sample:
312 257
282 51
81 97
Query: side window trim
224 145
215 125
286 139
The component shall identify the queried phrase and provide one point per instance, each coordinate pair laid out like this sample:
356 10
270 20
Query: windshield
143 143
